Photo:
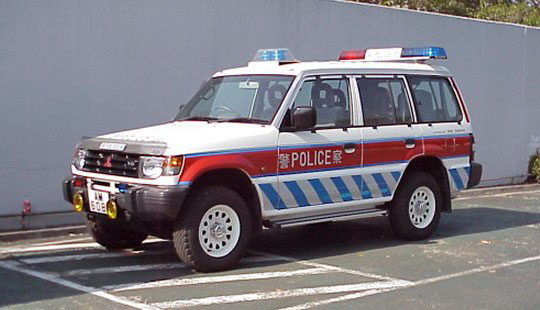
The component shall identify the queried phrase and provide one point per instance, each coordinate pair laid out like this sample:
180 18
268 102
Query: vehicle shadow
329 239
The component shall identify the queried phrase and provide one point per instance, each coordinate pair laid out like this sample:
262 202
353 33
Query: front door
316 167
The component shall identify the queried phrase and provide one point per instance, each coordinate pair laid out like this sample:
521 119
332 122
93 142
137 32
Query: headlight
80 159
153 167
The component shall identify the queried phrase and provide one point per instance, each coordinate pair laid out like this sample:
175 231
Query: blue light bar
431 52
274 54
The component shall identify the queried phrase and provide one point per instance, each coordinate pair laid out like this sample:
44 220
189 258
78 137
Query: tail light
471 156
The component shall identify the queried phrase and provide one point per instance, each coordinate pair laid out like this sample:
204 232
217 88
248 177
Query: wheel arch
238 181
433 166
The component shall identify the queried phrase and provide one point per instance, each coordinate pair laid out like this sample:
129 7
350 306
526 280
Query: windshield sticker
248 85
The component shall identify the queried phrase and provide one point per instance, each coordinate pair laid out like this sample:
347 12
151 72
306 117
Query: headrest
340 100
275 94
322 95
381 96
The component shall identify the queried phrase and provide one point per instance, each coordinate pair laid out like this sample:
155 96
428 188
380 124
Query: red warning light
27 207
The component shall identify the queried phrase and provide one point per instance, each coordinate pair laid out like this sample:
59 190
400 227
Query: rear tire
214 230
114 236
416 208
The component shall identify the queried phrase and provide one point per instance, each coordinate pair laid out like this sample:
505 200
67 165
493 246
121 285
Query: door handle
349 148
410 143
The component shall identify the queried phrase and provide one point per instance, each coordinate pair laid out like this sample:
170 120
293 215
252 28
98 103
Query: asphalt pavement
485 255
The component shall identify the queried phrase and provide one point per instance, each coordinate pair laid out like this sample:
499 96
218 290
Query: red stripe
255 163
444 147
391 151
315 158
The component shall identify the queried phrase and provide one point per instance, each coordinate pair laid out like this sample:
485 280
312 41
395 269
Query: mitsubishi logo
107 163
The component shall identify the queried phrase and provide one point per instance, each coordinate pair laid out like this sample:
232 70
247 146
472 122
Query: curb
41 233
497 190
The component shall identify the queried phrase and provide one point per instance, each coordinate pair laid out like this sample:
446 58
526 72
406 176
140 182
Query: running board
339 216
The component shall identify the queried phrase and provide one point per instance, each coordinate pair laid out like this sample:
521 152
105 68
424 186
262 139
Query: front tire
214 230
114 236
416 208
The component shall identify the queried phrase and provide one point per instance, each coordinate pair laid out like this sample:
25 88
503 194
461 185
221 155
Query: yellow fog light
112 210
78 202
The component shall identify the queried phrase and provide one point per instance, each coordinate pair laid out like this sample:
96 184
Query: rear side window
384 101
434 98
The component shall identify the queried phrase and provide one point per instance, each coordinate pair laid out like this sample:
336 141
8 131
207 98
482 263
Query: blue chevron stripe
366 193
272 195
320 190
325 193
457 179
381 183
297 193
342 188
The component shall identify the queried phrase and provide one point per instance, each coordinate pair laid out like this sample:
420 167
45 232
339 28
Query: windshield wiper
244 120
199 118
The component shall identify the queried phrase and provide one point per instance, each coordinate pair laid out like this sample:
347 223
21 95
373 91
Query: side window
329 97
384 101
435 100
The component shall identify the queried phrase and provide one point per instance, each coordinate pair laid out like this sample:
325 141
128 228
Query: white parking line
72 240
313 304
78 257
145 267
496 195
330 267
478 270
90 290
58 242
129 268
411 284
226 299
56 247
216 279
41 248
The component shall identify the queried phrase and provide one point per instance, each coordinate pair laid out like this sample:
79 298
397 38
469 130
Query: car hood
192 137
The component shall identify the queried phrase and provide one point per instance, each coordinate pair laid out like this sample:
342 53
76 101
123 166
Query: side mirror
304 118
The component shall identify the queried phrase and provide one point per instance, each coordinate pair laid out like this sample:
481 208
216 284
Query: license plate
98 201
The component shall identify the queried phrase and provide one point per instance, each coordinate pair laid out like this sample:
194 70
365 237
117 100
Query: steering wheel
226 109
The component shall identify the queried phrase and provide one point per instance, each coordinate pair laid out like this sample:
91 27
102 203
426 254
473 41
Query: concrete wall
72 68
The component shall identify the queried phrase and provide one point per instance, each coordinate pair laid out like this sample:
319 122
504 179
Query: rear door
446 135
390 137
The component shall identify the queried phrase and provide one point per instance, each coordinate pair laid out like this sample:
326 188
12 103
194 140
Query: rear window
434 99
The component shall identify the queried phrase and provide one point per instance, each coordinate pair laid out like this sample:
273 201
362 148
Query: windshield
248 98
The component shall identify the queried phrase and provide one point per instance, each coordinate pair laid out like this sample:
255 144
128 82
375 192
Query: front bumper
475 175
144 203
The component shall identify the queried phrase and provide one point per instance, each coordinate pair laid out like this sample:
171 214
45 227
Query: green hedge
534 165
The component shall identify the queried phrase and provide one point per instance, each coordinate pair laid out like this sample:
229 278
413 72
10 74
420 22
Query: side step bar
338 216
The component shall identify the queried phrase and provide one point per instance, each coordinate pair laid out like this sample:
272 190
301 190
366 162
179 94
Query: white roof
337 67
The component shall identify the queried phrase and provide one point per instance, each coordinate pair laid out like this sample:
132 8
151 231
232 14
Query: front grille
111 162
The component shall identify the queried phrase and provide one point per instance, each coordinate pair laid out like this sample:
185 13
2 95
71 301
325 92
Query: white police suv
280 143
